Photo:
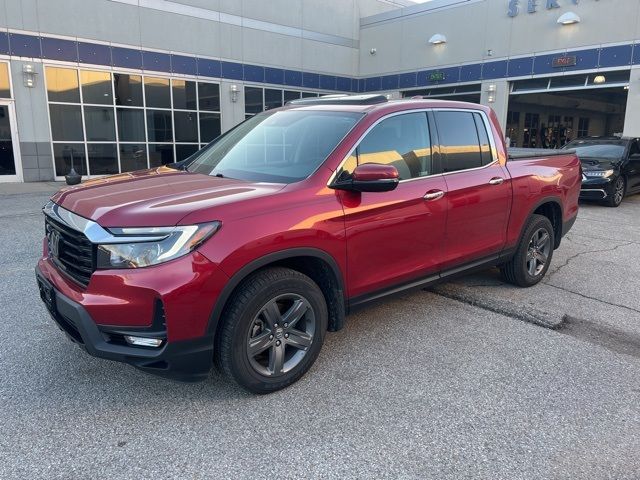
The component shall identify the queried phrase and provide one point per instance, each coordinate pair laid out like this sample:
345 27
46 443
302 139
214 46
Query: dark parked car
610 167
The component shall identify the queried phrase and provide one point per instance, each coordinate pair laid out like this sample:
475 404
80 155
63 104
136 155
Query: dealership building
112 86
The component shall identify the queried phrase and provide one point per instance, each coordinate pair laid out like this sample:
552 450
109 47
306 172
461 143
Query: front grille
74 254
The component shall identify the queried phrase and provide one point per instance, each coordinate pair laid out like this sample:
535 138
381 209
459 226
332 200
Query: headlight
598 173
142 247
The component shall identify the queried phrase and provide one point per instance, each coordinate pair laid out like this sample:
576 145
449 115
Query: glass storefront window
253 100
184 95
209 126
99 124
272 98
5 88
159 126
96 87
160 155
209 96
157 93
103 158
62 85
128 89
114 122
66 122
67 154
133 157
184 151
291 95
130 124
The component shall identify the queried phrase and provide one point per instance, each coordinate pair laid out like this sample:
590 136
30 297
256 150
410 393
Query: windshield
600 150
279 147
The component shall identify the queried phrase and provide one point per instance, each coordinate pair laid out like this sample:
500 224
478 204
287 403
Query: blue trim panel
34 46
618 56
520 67
292 78
24 45
184 65
4 44
95 53
57 49
126 58
159 62
209 68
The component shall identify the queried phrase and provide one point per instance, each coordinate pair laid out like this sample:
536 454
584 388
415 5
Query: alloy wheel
538 252
618 192
280 335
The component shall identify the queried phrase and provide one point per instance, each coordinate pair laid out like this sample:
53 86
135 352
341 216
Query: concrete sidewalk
30 187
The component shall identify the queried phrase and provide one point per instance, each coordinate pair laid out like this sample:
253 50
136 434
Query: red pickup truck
244 255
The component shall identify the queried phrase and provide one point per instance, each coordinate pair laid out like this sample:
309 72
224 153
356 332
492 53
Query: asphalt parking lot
473 379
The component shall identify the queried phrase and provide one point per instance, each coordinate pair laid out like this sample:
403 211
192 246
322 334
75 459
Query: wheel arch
551 208
316 264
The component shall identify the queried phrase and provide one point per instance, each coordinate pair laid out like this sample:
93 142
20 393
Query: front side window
459 142
402 141
281 147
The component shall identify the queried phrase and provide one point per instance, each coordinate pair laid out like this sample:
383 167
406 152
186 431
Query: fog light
143 342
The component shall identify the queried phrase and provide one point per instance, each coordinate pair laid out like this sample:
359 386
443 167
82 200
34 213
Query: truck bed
522 153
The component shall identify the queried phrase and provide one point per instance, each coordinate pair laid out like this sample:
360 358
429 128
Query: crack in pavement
592 298
573 257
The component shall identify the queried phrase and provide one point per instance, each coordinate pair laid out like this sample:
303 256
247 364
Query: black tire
617 193
248 325
518 270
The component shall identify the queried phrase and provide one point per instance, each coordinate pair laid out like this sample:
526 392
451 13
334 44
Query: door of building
10 165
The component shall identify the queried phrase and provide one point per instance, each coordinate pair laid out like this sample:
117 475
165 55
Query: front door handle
433 195
496 181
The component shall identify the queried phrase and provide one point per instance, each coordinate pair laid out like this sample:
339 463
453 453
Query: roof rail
340 99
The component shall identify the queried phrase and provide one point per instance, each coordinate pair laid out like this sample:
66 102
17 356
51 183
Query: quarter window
459 141
402 141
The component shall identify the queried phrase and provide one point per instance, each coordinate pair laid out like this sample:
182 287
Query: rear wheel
273 330
533 256
614 198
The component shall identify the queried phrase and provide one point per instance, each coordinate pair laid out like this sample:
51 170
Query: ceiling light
568 18
438 39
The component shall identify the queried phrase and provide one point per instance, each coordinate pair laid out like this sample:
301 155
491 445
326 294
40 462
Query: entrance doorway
10 165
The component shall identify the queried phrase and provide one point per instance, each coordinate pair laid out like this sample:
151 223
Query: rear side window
485 145
459 141
402 141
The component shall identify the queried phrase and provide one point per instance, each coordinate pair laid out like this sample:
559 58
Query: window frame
435 142
147 143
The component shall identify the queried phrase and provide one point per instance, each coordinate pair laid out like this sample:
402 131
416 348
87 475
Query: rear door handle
496 181
433 195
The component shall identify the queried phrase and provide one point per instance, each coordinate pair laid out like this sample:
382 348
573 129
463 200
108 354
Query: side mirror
370 177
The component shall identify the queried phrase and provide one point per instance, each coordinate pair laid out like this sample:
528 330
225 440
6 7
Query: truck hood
156 197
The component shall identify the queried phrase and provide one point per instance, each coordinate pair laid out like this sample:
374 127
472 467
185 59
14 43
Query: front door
395 237
10 166
478 189
633 168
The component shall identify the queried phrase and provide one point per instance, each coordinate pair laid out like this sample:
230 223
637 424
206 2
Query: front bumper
596 188
186 360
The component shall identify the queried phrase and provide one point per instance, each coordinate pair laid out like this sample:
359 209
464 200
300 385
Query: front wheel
533 256
273 330
614 199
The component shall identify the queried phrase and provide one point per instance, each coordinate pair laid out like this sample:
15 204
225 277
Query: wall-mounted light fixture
599 79
438 39
373 51
491 90
568 18
489 53
29 75
233 89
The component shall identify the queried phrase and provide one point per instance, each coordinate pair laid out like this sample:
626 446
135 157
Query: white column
632 115
232 112
495 94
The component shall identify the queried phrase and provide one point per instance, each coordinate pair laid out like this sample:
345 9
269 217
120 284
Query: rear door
478 188
395 237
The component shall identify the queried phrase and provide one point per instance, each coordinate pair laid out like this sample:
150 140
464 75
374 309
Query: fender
270 258
537 205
